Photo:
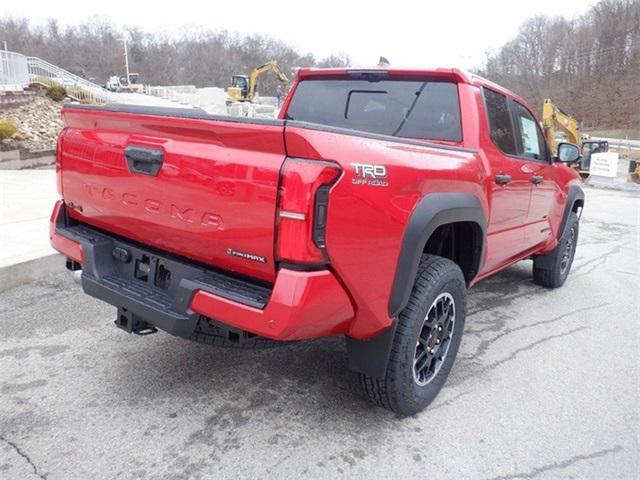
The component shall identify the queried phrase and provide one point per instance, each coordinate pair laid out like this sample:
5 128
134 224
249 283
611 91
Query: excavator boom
554 119
270 66
243 88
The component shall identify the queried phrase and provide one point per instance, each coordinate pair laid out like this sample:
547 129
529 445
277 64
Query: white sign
604 164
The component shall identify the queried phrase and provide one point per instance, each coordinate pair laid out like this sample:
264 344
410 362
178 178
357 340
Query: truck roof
456 74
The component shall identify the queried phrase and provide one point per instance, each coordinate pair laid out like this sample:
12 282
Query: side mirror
568 153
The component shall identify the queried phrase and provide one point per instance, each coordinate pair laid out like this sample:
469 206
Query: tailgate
203 188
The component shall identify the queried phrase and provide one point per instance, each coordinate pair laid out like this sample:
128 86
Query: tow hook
131 323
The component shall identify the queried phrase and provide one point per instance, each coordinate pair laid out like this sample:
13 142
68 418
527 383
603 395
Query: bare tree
589 65
195 56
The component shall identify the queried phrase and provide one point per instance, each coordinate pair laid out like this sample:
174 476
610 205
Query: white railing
18 71
14 75
46 74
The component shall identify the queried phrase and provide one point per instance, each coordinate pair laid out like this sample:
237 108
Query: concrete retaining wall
15 99
24 159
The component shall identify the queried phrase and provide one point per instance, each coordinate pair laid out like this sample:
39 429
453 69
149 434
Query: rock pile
38 124
39 120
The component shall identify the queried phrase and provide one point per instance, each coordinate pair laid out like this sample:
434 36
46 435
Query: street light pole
126 60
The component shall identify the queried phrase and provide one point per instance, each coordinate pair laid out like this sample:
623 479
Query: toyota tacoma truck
367 209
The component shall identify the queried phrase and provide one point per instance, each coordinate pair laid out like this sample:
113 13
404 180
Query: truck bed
212 197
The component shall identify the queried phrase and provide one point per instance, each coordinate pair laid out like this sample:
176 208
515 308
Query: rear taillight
302 210
59 161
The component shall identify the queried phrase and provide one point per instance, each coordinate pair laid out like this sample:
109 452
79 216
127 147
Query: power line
578 55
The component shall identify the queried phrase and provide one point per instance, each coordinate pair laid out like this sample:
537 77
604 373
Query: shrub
56 93
7 129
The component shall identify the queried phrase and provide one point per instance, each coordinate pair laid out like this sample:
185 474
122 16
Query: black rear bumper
151 288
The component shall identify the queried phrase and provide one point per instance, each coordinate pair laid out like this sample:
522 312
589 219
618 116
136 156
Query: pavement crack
558 465
597 261
25 456
515 353
504 298
448 402
485 344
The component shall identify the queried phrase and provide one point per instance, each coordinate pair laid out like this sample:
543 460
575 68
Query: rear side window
500 126
402 108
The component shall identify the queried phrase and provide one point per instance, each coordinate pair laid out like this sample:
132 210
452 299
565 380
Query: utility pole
126 60
4 44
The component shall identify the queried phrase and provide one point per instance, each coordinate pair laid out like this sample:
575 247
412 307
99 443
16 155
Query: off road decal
369 174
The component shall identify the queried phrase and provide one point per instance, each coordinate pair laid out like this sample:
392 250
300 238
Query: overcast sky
407 32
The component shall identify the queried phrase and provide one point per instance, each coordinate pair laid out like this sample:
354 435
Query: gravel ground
545 387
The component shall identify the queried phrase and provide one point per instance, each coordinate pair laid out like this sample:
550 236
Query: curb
24 159
25 272
618 186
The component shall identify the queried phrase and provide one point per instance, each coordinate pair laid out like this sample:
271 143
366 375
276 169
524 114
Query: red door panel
544 193
509 209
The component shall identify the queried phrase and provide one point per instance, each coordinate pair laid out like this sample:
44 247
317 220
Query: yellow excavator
243 87
555 121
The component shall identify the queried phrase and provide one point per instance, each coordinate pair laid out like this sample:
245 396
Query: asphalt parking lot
546 386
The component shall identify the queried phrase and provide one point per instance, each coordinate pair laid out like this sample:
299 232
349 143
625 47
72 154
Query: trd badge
369 174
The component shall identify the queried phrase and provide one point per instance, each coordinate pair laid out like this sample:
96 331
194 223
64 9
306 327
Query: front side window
402 108
531 144
500 126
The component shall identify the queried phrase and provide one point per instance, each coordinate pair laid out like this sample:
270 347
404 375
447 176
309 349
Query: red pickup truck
366 210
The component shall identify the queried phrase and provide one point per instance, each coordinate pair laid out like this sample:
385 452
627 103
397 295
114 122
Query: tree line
94 50
589 66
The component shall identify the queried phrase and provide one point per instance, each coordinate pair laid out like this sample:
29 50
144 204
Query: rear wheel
426 341
551 270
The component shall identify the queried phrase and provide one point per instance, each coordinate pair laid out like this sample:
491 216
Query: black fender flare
575 193
432 211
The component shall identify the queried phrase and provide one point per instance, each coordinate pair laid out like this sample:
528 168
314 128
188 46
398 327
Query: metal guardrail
14 73
46 74
621 143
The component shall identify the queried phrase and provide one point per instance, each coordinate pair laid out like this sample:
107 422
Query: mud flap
370 357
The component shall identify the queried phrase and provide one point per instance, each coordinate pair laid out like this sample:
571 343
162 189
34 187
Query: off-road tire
399 391
551 270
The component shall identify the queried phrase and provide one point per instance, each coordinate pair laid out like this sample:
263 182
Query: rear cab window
513 129
500 127
416 109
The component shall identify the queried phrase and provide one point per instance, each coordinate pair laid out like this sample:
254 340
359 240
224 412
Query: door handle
146 161
536 179
502 179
